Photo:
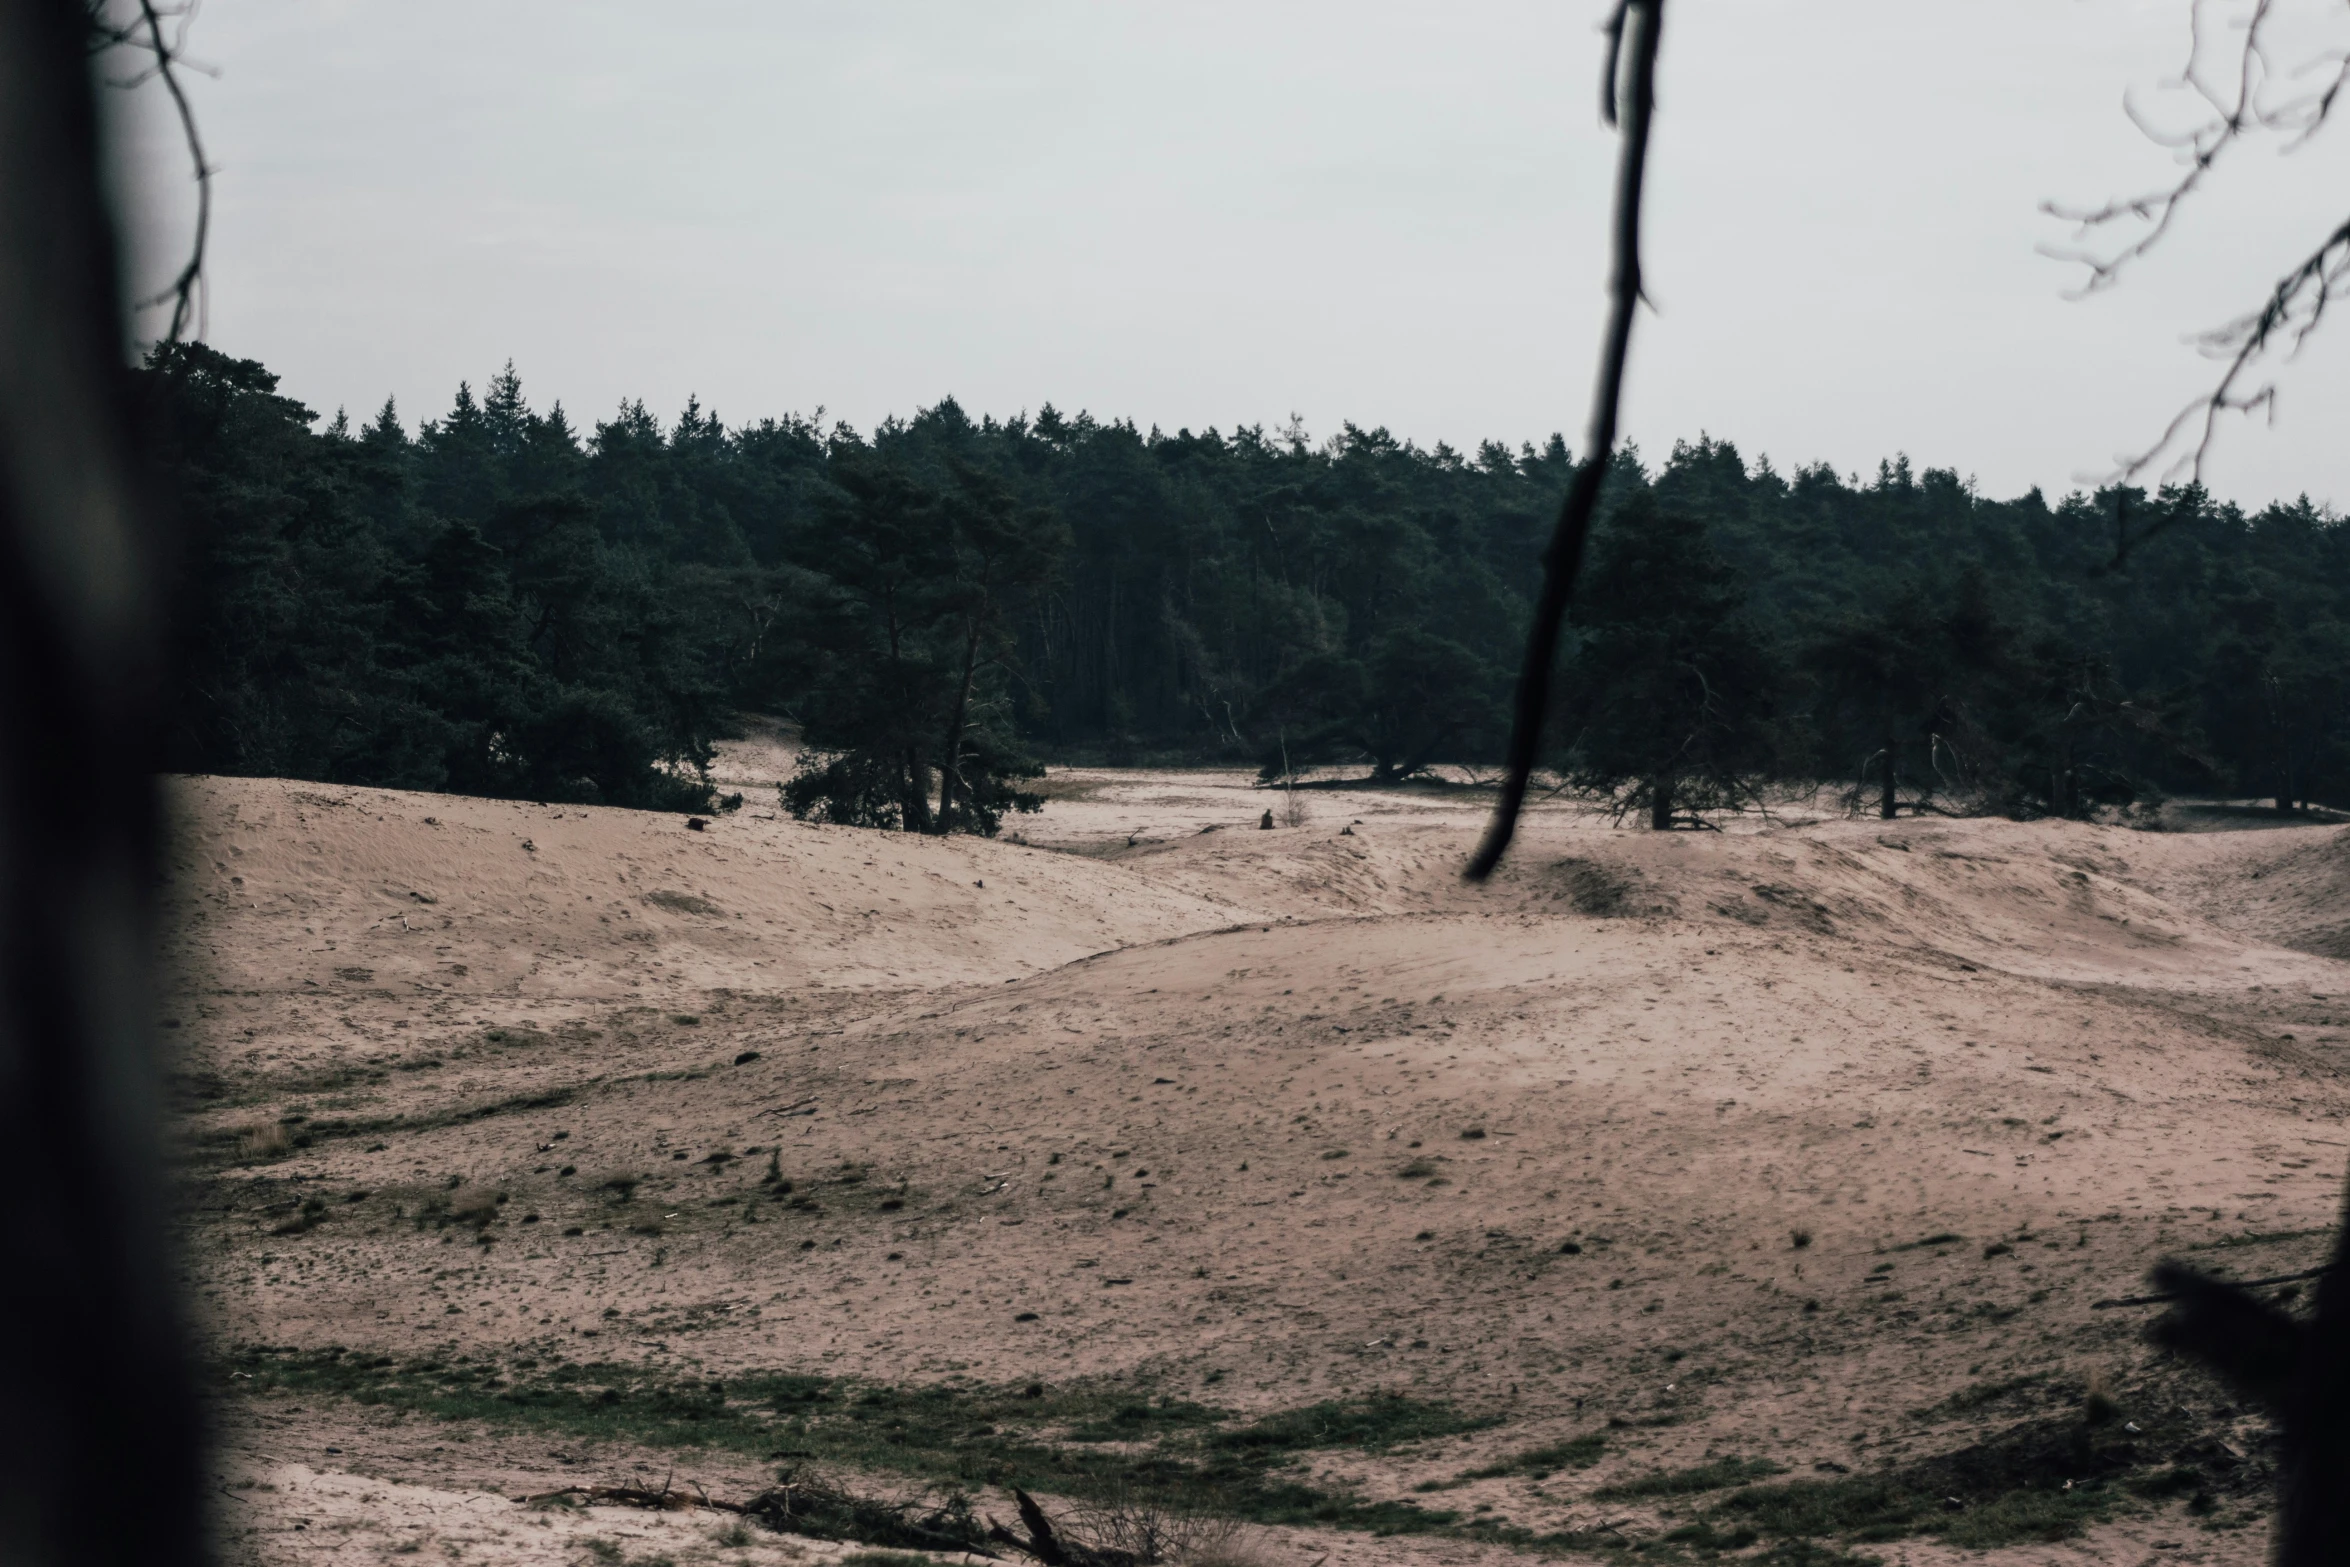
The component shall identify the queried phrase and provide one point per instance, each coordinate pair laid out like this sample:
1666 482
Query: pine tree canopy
494 601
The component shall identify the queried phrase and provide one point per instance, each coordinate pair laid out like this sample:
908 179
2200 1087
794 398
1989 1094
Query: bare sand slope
1813 1145
2289 885
285 886
2054 900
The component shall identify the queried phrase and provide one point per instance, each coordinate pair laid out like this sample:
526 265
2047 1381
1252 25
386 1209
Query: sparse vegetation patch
1715 1475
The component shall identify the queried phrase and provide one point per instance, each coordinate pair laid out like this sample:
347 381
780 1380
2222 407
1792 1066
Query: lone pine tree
1667 699
1898 682
912 650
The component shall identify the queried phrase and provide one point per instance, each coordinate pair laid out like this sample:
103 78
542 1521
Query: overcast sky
1200 213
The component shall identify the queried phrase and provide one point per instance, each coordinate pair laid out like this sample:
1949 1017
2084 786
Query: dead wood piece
663 1500
820 1511
1044 1544
816 1511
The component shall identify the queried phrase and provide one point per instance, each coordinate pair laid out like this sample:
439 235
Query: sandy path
1266 1117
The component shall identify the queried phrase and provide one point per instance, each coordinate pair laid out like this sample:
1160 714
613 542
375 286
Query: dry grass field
1693 1197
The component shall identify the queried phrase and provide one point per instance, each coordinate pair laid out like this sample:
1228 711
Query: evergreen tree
1896 680
1001 554
915 651
276 658
1668 696
621 597
2068 733
1415 699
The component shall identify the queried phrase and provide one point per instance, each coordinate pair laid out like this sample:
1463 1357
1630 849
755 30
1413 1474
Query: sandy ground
1252 1117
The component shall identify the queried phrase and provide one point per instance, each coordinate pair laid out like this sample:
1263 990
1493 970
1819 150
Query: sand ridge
286 884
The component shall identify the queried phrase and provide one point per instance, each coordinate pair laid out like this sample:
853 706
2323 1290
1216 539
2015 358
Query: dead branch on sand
817 1510
1053 1547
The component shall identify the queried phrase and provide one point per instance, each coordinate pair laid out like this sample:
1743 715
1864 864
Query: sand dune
286 883
1256 1118
2287 886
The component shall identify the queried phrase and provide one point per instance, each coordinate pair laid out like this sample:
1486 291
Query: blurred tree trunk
1889 798
100 1459
950 771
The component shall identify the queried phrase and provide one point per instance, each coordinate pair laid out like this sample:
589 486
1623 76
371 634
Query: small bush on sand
622 1187
2097 1401
1148 1527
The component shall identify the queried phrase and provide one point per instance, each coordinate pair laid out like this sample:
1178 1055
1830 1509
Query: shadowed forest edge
498 604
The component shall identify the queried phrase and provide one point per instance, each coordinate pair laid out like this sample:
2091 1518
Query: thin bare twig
2261 94
1634 33
2292 311
145 32
2199 148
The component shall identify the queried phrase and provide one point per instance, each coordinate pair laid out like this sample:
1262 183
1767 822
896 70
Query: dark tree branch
2233 114
2260 95
2289 315
144 32
2301 1277
1634 34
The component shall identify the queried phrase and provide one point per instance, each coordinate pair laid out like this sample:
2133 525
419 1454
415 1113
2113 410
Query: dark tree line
495 601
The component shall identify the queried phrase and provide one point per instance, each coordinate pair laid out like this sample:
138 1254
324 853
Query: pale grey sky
1203 213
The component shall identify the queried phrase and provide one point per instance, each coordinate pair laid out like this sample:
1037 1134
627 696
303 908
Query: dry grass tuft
1223 1542
473 1205
2098 1405
264 1139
